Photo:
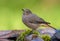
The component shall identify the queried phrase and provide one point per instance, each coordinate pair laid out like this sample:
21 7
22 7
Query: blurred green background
11 14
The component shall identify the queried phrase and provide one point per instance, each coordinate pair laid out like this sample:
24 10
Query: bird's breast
27 17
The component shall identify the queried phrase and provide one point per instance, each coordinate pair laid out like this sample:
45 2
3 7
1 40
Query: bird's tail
51 27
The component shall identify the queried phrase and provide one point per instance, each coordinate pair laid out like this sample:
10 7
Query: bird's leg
32 31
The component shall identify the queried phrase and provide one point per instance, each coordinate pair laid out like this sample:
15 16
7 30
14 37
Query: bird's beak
22 9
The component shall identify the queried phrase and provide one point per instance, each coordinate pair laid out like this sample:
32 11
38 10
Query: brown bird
31 20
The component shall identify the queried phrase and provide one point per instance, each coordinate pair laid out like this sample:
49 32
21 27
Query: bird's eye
27 12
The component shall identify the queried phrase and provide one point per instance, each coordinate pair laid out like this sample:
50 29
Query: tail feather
52 27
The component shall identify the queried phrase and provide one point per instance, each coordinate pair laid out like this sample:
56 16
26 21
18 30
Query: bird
33 21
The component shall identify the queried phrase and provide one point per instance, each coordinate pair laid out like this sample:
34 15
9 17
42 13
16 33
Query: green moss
29 32
46 37
26 33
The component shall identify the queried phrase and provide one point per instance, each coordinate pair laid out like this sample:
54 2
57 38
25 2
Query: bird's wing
36 19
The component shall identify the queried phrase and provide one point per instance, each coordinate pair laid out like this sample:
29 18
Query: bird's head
26 11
